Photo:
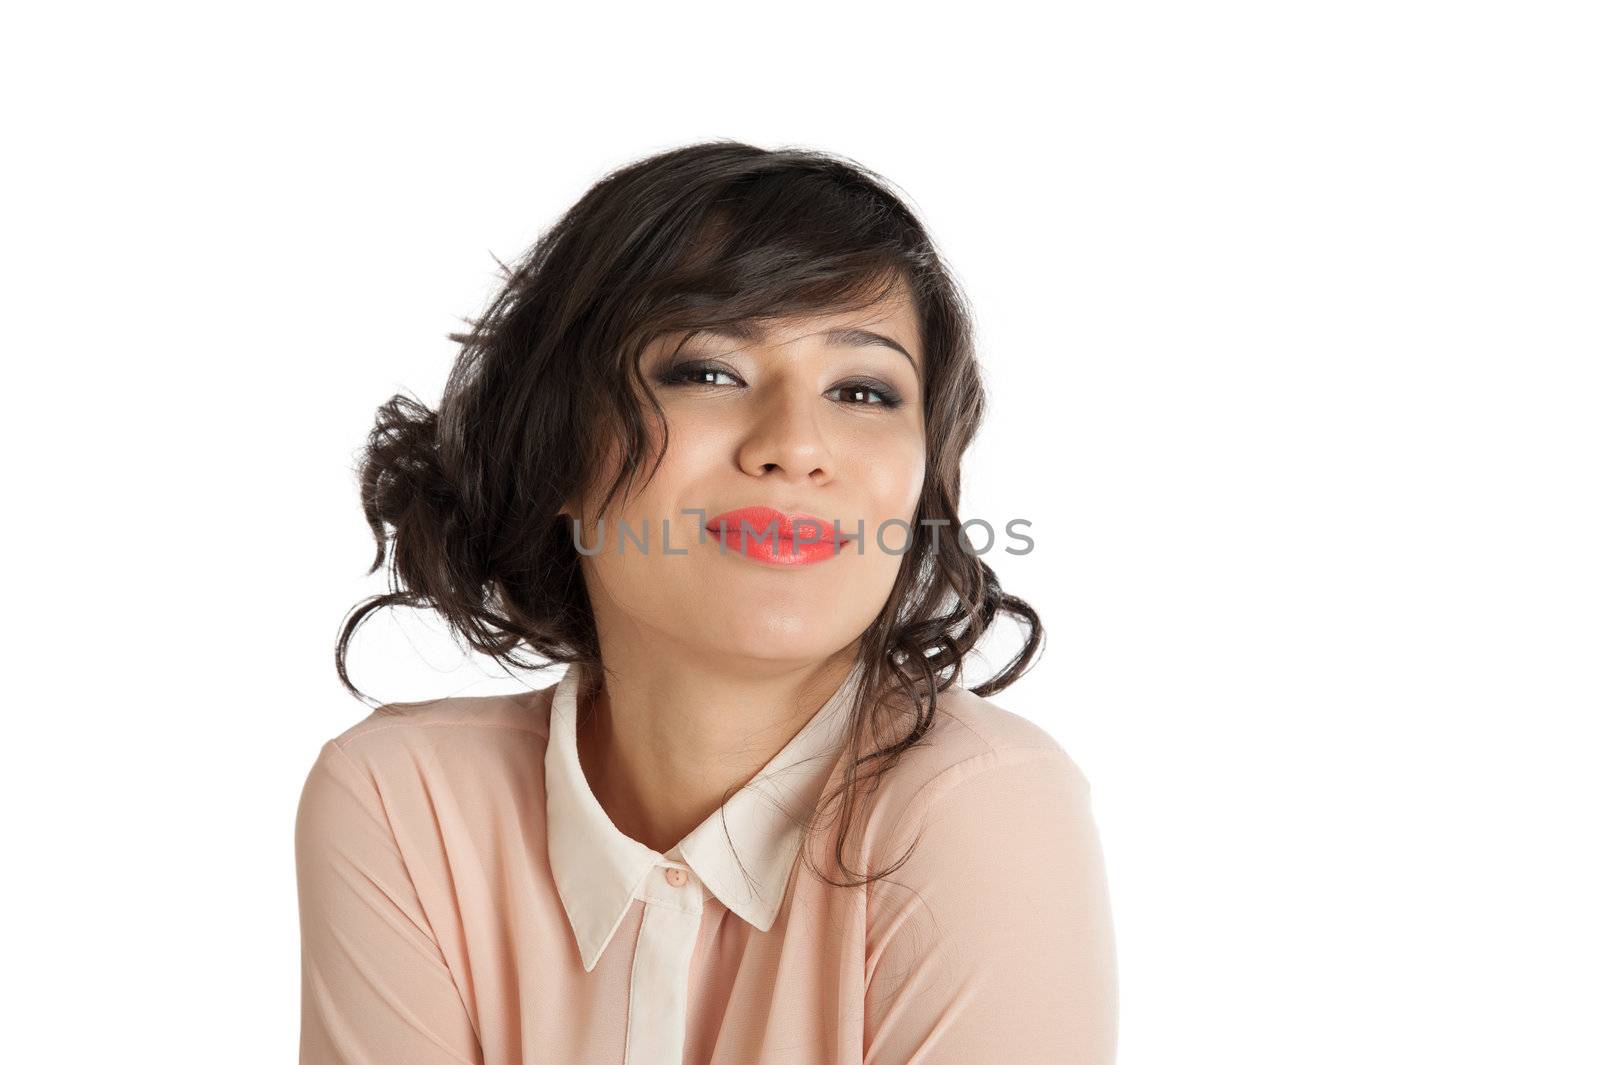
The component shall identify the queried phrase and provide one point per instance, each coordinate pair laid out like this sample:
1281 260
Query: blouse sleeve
375 988
993 943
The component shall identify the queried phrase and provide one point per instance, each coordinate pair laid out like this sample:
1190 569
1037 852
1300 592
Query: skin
714 661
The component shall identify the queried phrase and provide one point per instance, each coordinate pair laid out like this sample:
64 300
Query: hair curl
708 234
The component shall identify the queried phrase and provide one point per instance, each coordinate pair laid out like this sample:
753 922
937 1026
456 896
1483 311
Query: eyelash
679 376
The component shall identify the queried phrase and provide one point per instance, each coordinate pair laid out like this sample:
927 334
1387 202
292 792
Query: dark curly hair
705 235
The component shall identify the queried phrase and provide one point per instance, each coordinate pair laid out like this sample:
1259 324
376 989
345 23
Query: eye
857 393
695 373
698 374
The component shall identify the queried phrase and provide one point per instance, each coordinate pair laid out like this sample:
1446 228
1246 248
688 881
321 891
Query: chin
765 634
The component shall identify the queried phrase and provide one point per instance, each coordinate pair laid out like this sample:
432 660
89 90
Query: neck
665 739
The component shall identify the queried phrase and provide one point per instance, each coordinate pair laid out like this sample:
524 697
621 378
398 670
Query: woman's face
812 416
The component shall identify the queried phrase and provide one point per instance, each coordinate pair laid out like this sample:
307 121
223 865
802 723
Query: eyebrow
841 338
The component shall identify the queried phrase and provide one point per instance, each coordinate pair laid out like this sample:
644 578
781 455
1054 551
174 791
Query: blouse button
677 877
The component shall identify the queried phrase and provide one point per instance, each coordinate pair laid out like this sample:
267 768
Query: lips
772 536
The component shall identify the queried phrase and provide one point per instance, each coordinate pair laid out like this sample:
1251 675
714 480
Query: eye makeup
686 374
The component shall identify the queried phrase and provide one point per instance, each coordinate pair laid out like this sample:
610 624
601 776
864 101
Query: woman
704 448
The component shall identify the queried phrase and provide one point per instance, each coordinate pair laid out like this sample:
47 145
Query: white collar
598 869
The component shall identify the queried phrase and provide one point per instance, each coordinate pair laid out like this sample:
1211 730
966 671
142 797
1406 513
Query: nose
786 438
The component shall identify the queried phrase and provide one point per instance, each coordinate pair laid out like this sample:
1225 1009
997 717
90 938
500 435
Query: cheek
657 508
691 451
697 446
696 455
892 478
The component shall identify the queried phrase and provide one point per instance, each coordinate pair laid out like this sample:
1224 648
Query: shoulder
974 738
978 767
990 933
435 783
990 811
406 758
400 730
525 710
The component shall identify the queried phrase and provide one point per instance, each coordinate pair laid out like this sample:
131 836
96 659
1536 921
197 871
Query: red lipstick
776 538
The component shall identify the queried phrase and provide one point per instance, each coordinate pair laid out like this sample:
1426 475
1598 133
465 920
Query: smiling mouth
773 537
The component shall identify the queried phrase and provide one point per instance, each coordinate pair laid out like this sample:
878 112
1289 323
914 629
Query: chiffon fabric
464 898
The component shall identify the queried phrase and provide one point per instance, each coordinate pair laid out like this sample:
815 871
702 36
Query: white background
1289 318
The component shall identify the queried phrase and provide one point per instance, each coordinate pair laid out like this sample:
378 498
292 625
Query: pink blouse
465 898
